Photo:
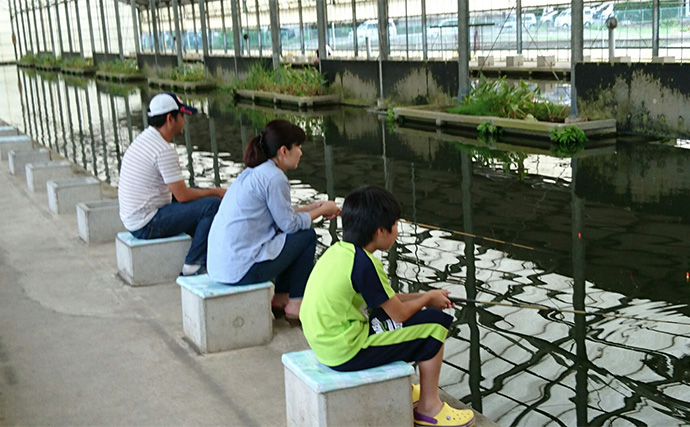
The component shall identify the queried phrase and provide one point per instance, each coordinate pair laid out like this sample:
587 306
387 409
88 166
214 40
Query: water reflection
606 231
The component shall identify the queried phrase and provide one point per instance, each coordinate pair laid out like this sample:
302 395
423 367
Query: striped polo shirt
149 164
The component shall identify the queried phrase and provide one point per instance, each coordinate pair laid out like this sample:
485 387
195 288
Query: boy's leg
429 372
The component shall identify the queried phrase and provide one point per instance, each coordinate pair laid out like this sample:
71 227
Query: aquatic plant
119 66
28 59
47 61
489 132
188 73
567 141
299 82
498 98
77 62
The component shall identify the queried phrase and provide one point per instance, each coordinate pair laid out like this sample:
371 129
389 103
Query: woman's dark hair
266 145
365 210
159 120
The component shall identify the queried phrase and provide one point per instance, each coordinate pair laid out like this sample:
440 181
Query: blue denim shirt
250 227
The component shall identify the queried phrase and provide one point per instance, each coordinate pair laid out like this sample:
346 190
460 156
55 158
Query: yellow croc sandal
446 417
416 392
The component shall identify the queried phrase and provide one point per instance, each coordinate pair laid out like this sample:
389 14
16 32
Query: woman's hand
329 209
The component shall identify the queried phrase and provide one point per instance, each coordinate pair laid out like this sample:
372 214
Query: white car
446 27
370 29
529 21
548 17
565 19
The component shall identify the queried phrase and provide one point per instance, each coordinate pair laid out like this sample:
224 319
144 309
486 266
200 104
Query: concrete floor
78 347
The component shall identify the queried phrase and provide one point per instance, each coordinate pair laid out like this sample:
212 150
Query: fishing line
562 310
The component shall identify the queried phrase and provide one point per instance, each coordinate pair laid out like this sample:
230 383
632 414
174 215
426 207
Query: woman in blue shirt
257 235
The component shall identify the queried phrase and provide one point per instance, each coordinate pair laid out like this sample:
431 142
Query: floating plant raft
119 77
185 86
281 98
79 71
434 114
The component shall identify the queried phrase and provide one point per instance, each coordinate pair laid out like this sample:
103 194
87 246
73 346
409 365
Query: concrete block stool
18 159
15 142
99 221
147 262
64 194
8 131
218 317
39 173
316 395
485 61
515 61
546 61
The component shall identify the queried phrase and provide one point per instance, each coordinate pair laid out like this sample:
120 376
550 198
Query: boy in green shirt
353 319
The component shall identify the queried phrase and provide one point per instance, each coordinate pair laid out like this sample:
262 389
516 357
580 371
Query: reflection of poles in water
52 109
214 149
128 112
475 367
243 132
93 140
62 121
103 143
330 186
190 150
116 135
69 120
77 100
33 108
47 139
22 82
579 299
413 180
393 251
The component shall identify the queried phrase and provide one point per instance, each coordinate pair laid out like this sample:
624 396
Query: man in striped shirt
154 199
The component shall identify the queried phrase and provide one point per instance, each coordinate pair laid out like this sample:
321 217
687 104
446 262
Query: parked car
602 12
565 19
529 21
370 28
446 26
548 17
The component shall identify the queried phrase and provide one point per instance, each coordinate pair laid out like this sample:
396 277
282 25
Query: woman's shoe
446 417
278 312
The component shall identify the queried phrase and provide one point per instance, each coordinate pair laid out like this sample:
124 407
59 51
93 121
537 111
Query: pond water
606 232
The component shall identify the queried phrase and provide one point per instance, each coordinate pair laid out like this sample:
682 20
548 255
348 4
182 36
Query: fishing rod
459 300
462 233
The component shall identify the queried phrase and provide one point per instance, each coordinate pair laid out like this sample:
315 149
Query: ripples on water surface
607 232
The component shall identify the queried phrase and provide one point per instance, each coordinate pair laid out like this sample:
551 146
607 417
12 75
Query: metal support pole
655 28
182 31
104 30
25 24
301 28
463 49
69 28
91 32
154 28
59 26
81 38
518 26
209 33
384 40
170 27
425 51
119 30
204 34
38 42
135 26
258 30
321 28
275 32
43 28
355 43
196 45
222 23
612 45
15 36
407 34
178 39
576 50
236 28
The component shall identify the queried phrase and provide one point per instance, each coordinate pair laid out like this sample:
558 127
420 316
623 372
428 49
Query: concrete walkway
79 347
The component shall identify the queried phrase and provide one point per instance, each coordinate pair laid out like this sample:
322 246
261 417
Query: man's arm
182 193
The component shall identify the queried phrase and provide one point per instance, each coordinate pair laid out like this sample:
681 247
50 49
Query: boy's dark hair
266 145
159 120
365 210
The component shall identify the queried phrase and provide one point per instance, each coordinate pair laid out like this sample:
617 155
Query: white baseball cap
164 103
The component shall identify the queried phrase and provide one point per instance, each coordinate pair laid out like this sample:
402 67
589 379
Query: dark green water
606 232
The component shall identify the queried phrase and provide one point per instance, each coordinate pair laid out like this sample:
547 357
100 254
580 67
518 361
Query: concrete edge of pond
78 71
104 75
185 86
430 114
278 98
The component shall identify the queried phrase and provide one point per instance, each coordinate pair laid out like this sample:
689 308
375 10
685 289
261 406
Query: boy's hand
438 298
